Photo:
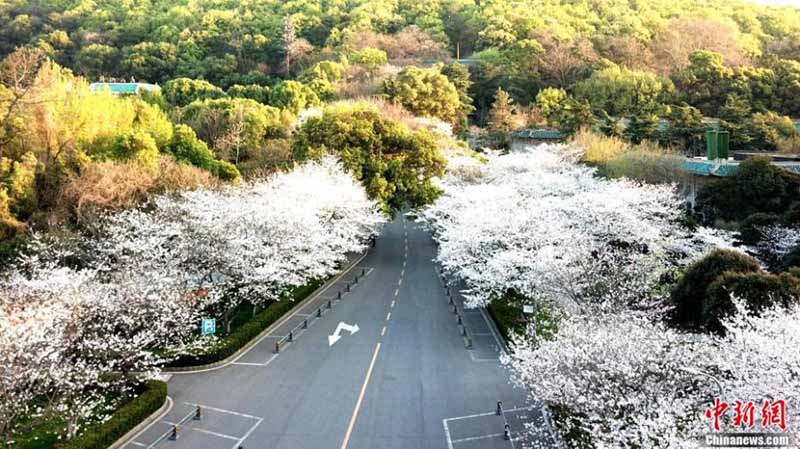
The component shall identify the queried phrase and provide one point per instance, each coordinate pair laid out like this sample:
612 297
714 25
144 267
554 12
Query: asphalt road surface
403 380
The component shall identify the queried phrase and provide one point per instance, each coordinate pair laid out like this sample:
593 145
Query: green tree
186 147
182 91
620 91
706 82
150 61
371 59
395 164
95 60
213 120
425 92
503 119
293 96
251 91
458 74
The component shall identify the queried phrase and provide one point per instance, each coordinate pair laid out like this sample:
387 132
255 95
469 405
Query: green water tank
712 144
723 144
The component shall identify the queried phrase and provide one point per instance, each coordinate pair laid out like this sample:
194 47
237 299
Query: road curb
144 425
258 338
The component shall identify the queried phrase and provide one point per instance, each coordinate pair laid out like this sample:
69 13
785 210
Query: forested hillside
237 79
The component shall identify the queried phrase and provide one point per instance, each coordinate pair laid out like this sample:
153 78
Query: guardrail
317 313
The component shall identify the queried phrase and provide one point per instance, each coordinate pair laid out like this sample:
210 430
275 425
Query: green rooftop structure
123 88
541 134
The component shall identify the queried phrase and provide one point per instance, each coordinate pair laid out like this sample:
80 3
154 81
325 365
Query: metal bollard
363 271
506 432
174 434
277 347
464 331
197 414
455 310
469 343
451 300
329 304
319 312
459 320
348 287
291 336
447 291
339 295
305 323
499 408
355 279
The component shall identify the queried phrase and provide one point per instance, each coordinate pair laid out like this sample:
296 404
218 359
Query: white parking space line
247 434
388 316
383 331
136 443
481 437
222 410
216 434
400 282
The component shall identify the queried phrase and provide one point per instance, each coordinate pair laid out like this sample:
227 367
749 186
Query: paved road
405 380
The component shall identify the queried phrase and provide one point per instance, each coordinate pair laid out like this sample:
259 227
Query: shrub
597 148
106 186
750 227
185 146
174 175
102 435
690 296
138 146
759 290
757 186
243 334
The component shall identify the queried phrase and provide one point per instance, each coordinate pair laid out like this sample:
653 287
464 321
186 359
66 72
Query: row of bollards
329 304
197 416
506 427
462 327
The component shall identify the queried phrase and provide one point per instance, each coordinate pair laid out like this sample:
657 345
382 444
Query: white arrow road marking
332 339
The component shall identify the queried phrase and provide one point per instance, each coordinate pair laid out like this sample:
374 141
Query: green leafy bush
750 227
690 296
759 290
248 331
102 435
185 146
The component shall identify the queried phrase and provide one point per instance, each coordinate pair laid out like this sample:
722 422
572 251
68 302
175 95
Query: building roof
705 167
540 134
122 88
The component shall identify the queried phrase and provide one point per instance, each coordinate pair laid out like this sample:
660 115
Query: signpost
208 326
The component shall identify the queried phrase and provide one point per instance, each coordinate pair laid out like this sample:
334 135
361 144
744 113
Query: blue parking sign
208 326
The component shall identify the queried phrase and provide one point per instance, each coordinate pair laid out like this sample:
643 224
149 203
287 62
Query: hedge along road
398 375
